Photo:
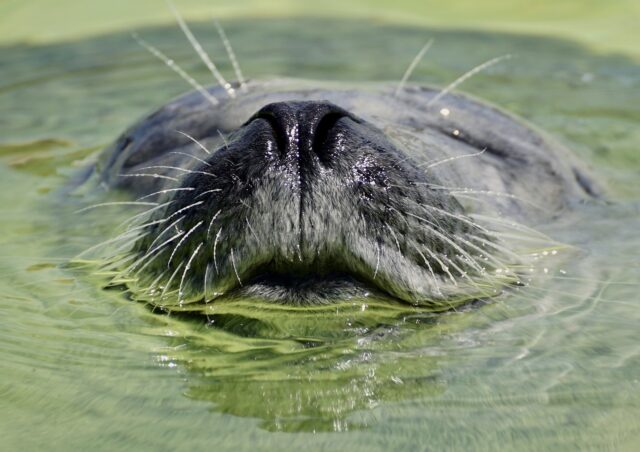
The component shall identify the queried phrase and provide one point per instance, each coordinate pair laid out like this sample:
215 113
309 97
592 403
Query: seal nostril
279 131
321 134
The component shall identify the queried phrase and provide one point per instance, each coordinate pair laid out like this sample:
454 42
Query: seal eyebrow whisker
184 237
200 145
155 176
177 69
166 190
457 82
430 165
413 65
186 270
190 156
200 51
232 55
116 203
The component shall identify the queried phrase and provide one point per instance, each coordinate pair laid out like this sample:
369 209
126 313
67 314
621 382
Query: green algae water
554 365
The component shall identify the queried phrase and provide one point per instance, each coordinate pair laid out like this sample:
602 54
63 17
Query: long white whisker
232 55
162 192
179 211
235 270
155 176
457 82
177 168
177 69
186 270
450 159
433 275
211 222
134 218
184 237
201 53
195 141
413 65
116 203
190 156
215 246
164 231
173 275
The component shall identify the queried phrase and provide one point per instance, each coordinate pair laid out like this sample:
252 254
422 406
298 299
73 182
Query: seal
304 192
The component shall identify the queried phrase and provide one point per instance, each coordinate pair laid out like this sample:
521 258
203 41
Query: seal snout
306 203
302 129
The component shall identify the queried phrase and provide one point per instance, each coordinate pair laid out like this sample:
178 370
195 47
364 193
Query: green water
555 365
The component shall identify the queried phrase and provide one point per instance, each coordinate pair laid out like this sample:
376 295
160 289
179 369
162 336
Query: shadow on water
302 371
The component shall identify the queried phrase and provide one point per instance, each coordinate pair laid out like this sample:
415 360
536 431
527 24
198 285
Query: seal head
307 201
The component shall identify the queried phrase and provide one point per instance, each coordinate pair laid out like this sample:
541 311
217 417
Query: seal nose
302 128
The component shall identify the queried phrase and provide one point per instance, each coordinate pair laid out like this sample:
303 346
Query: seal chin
307 204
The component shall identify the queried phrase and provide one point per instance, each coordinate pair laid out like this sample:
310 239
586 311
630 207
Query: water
553 366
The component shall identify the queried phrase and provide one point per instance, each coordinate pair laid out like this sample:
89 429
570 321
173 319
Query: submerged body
301 192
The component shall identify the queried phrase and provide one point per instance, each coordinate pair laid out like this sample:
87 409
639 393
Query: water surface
554 365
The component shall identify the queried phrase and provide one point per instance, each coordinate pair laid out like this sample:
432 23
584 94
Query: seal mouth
308 204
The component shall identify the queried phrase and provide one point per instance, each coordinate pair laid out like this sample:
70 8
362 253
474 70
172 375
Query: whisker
116 203
173 275
155 176
164 231
450 159
186 270
177 69
433 275
215 245
177 168
457 82
134 218
211 222
167 190
200 145
201 53
190 156
122 236
232 55
184 237
179 211
412 66
235 270
206 192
